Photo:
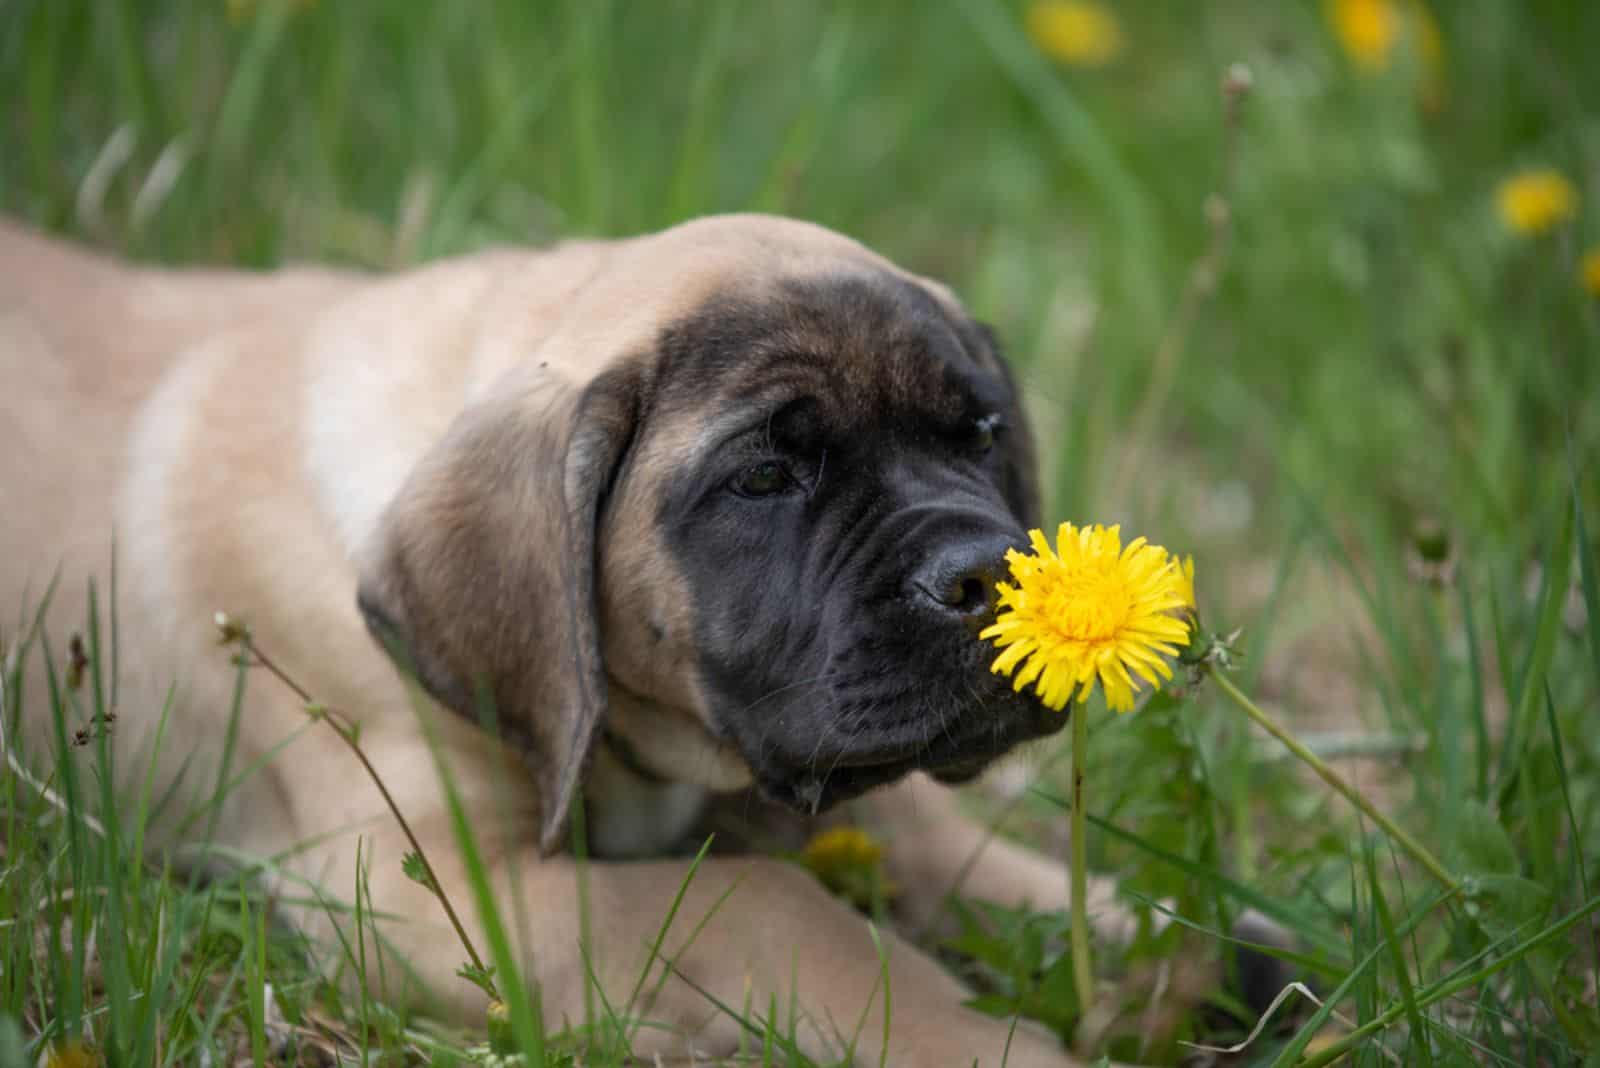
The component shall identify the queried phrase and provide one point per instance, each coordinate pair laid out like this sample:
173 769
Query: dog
713 512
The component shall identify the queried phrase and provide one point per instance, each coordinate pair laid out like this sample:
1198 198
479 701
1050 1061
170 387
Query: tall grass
1377 433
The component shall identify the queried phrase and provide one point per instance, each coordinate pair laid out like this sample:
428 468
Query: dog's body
707 511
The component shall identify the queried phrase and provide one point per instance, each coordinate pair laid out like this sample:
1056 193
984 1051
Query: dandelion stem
1418 851
1082 971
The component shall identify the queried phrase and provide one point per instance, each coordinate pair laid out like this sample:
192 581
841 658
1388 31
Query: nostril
970 594
959 580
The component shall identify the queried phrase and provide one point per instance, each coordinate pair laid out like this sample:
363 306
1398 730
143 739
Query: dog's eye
984 431
762 479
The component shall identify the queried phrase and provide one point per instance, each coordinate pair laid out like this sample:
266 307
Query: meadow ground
1309 290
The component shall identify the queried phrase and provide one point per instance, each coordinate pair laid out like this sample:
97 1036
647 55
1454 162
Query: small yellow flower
849 862
1589 272
71 1054
1368 29
1371 30
841 847
1097 612
1076 32
1536 201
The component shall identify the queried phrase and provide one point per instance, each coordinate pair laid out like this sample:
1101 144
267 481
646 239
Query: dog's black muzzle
911 688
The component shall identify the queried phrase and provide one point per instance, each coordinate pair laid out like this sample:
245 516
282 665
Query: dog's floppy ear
481 576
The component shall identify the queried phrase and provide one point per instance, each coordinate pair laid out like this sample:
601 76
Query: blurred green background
1309 289
1329 329
1380 340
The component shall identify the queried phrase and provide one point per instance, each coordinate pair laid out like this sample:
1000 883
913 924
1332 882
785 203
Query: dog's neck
670 744
629 814
654 770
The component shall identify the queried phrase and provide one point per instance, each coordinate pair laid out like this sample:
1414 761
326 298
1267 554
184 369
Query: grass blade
1290 1054
665 926
1421 1044
522 1001
1572 820
1464 979
1480 715
1277 910
1530 679
1587 573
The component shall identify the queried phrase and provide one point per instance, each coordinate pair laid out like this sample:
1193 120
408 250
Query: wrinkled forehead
873 347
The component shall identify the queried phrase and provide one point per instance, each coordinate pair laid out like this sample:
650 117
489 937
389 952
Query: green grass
1380 358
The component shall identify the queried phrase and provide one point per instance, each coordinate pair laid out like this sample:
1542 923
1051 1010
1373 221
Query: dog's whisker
815 680
944 721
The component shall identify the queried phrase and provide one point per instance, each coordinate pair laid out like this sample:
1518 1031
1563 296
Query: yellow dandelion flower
71 1054
1076 32
849 862
1367 29
1589 272
841 848
1091 611
1370 31
1536 201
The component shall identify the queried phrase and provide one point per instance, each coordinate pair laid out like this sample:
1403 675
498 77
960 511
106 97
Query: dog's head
751 494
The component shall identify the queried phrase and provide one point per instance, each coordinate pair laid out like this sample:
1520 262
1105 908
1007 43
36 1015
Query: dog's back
84 341
209 430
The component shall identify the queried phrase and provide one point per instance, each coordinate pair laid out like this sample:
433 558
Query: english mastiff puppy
715 510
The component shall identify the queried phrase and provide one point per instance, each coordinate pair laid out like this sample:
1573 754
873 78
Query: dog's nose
960 580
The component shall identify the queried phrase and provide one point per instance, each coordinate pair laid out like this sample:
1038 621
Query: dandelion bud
229 630
1238 81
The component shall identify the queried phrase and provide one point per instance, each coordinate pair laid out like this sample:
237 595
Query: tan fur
253 444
